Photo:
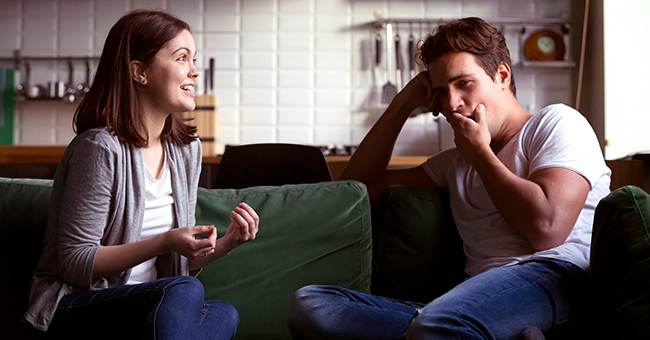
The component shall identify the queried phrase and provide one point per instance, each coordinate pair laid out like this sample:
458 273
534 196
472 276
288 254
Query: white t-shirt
158 218
557 136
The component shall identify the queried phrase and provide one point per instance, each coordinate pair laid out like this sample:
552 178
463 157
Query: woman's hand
186 242
243 228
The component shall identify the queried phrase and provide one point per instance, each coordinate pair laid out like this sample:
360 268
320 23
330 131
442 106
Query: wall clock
544 45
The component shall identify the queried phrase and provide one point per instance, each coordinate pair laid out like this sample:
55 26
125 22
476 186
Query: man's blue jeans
496 304
169 308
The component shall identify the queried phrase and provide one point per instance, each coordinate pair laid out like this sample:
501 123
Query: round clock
544 45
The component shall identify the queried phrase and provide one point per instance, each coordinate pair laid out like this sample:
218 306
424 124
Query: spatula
389 90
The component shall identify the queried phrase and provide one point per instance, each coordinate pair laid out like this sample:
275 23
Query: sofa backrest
23 215
309 234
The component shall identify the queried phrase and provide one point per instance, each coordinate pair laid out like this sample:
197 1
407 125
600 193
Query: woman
120 240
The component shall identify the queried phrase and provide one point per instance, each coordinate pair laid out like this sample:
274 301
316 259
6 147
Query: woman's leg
170 308
500 302
325 312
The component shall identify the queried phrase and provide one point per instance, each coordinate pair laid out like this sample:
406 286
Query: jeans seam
204 311
70 307
164 291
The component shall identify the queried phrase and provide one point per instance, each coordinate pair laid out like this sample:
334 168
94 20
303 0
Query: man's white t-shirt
556 136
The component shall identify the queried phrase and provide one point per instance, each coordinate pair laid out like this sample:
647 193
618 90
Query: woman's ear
504 75
137 72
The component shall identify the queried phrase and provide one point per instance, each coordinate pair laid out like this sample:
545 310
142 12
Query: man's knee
302 319
426 323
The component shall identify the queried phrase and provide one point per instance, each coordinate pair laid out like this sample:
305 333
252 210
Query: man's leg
500 302
325 312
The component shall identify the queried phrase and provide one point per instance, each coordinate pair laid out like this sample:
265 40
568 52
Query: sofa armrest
620 265
417 252
309 234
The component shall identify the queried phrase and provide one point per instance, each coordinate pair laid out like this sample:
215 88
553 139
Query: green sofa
321 234
410 255
309 234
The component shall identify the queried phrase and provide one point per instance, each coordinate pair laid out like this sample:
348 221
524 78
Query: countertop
52 154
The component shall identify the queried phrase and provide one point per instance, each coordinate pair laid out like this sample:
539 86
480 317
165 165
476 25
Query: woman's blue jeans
496 304
169 308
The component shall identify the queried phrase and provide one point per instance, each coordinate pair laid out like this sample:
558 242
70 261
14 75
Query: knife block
204 117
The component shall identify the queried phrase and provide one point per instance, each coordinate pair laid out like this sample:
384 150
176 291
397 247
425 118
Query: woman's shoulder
92 142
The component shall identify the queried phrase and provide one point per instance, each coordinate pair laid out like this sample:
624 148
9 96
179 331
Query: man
523 189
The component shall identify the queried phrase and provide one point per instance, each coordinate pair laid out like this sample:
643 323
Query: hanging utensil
83 88
374 96
411 52
69 91
389 91
398 62
35 90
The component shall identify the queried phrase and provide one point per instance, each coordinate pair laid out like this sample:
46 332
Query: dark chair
271 164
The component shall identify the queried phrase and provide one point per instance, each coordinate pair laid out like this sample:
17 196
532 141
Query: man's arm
543 208
370 161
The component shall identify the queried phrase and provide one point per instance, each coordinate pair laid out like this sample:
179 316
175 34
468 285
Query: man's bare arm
370 161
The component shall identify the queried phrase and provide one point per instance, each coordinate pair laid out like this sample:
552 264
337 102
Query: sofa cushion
620 264
418 254
308 234
23 215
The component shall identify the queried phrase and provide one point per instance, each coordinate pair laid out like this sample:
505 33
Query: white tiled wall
297 71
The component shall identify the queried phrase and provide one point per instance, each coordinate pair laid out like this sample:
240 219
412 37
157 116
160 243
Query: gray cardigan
98 199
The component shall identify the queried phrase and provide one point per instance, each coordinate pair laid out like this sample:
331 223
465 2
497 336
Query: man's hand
419 93
471 133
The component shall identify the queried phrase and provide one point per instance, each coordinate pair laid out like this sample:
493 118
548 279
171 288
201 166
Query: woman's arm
111 260
244 227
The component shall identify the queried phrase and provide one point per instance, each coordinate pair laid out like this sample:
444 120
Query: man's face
460 84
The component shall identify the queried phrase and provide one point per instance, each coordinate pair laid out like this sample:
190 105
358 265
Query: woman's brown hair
472 35
113 100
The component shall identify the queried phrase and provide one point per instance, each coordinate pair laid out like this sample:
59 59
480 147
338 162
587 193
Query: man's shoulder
555 110
556 114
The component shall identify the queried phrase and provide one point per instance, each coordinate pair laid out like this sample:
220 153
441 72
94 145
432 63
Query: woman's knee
188 286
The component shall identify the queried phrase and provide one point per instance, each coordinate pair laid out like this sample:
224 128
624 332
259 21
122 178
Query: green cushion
418 254
620 264
23 215
309 234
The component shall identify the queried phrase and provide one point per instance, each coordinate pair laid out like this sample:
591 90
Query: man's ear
504 76
138 72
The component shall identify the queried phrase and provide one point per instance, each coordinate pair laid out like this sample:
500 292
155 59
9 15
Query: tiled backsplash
296 71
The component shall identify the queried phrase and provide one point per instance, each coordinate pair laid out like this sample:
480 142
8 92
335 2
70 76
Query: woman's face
171 77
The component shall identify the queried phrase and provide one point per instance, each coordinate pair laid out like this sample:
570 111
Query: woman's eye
194 61
182 58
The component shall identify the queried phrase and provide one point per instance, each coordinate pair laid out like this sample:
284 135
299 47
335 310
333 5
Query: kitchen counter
47 157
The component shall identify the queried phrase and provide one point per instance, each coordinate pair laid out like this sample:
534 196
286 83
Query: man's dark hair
472 35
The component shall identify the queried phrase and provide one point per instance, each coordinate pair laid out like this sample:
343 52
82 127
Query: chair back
273 164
